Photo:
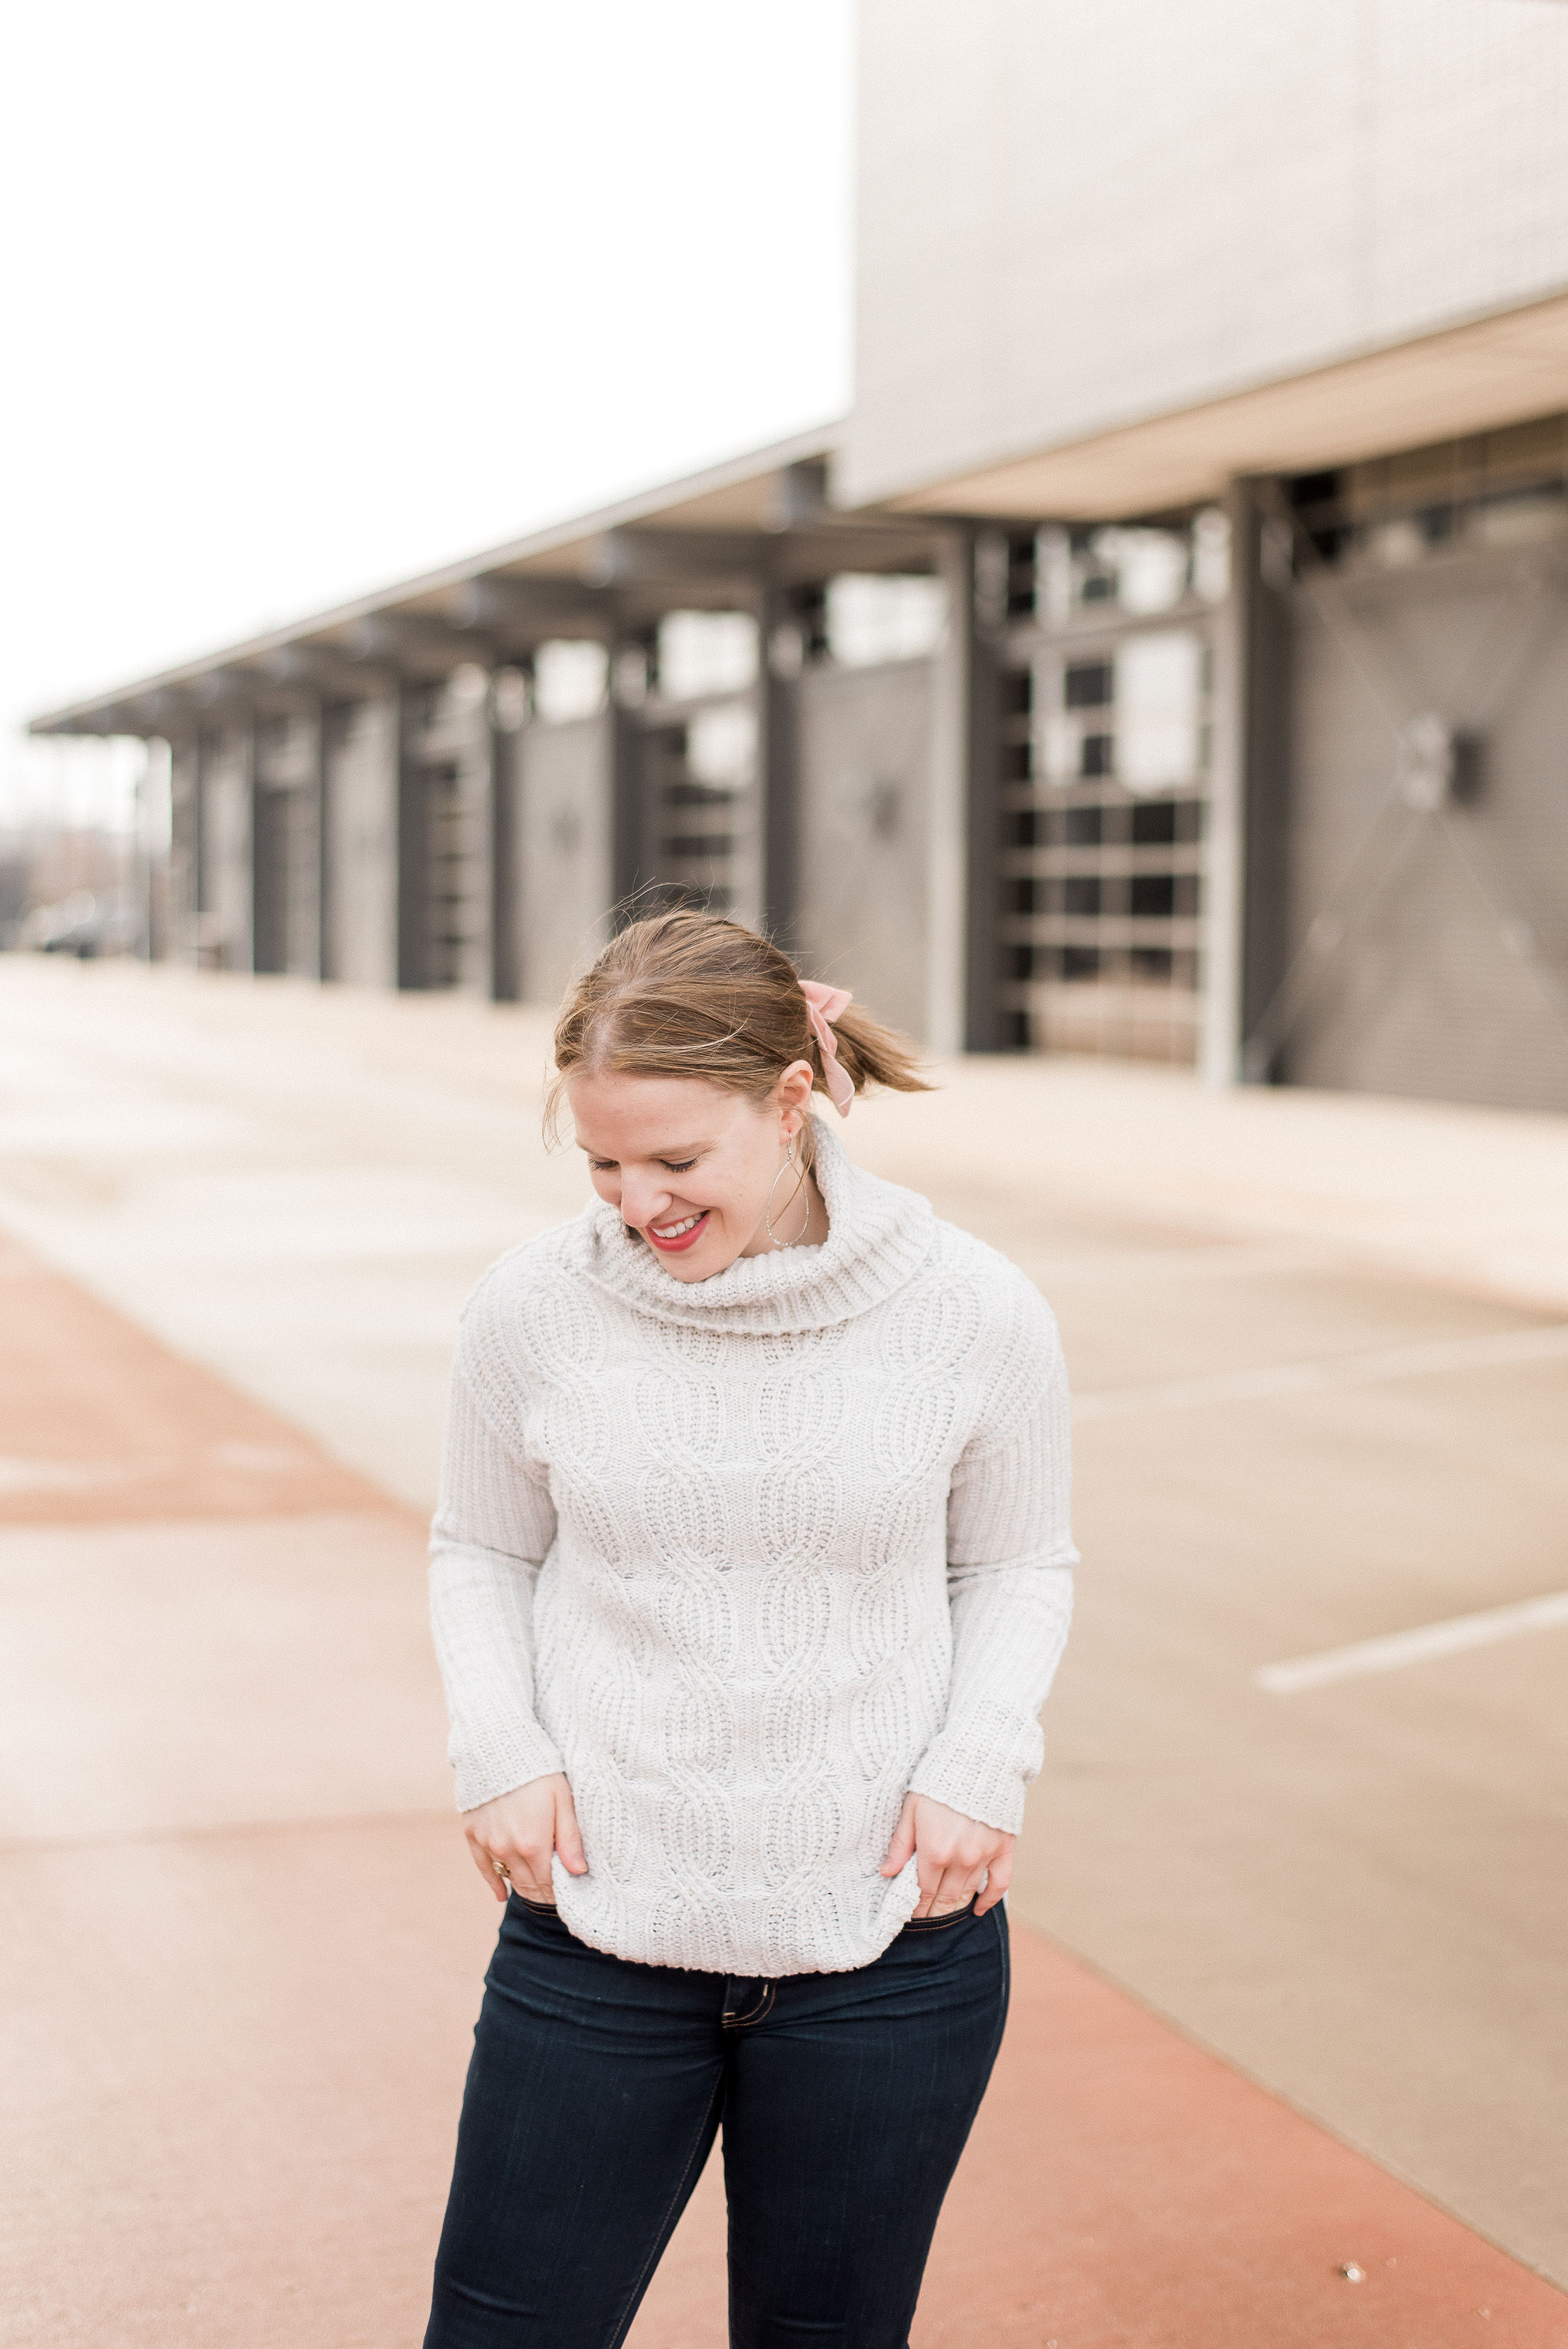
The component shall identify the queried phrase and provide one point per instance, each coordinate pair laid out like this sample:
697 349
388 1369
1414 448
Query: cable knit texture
748 1559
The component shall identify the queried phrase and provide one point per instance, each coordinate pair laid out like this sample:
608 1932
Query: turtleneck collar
879 1238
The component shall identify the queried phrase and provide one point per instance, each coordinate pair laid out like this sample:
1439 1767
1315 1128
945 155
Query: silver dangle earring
800 1191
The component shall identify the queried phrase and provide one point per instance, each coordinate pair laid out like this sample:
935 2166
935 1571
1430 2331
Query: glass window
1150 566
1154 896
1158 709
721 745
1138 567
873 617
1154 825
569 680
706 652
1212 555
1088 683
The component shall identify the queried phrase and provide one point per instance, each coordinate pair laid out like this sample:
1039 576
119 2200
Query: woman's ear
792 1094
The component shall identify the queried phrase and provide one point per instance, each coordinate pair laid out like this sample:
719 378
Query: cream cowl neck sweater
750 1557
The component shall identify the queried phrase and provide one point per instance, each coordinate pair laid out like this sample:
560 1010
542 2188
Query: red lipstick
685 1240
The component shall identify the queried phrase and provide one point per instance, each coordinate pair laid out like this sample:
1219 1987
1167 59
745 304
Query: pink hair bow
823 1006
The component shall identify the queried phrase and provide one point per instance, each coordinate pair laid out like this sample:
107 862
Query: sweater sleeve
492 1529
1009 1578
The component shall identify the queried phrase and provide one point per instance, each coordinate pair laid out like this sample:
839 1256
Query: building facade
1168 656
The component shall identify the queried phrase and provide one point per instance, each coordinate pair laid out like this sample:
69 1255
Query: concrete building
1168 656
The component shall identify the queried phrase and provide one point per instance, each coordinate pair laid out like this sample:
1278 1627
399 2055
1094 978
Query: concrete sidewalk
299 1186
1319 1355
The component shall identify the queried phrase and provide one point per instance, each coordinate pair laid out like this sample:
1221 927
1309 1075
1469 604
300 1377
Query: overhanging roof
714 537
703 540
1473 377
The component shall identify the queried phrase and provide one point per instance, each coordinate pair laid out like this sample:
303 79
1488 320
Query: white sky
308 298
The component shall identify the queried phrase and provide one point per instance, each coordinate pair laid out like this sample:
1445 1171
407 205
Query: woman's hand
957 1856
521 1830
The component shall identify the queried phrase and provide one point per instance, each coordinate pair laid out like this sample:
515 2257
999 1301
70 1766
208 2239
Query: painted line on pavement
1400 1648
1504 1350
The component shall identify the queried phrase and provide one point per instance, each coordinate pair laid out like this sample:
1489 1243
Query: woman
751 1571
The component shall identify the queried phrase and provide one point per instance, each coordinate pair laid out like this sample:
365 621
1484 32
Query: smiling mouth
683 1234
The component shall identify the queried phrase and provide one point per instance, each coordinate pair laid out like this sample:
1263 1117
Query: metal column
962 823
778 770
184 846
412 859
1245 882
315 960
630 850
506 913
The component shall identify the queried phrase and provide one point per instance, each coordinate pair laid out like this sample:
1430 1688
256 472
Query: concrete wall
287 845
865 771
1422 981
445 895
1071 217
562 876
225 846
179 942
361 907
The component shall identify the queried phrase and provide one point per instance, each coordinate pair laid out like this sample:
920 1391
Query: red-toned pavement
1123 2188
244 1949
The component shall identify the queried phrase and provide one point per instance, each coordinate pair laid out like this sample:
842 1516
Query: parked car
82 925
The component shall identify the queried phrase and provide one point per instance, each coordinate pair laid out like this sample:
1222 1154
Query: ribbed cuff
984 1775
497 1765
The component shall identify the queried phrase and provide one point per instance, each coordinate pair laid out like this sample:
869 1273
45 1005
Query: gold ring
501 1868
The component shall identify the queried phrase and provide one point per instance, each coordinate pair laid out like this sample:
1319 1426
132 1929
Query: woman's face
689 1165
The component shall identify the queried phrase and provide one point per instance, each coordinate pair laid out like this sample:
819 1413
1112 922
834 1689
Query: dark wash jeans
594 2094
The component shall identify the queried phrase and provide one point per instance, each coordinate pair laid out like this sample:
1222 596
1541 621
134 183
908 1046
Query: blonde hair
686 994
